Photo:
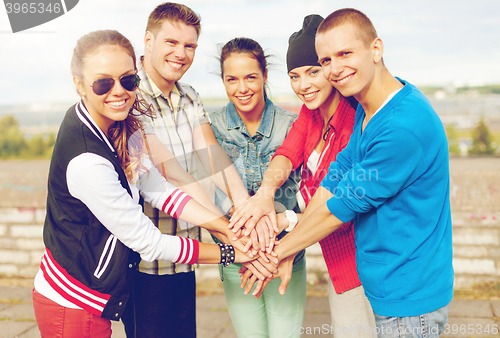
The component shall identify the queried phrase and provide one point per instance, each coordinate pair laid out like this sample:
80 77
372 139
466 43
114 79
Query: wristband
291 216
227 254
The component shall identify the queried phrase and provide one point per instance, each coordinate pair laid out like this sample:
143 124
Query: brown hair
244 46
366 30
126 135
174 12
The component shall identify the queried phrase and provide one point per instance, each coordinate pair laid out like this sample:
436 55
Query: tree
452 134
12 142
482 140
37 146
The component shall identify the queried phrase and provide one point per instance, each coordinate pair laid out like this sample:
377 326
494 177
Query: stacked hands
255 226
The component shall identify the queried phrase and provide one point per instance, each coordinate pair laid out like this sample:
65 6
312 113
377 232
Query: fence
475 199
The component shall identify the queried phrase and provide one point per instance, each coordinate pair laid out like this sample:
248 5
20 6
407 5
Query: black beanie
301 50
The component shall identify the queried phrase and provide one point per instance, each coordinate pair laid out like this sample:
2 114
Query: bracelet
227 254
292 219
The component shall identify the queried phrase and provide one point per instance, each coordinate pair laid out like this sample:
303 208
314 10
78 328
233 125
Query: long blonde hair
126 135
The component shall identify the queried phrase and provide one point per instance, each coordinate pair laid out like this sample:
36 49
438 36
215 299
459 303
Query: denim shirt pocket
236 154
265 158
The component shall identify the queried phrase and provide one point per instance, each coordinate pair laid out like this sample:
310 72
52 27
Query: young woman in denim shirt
321 131
250 128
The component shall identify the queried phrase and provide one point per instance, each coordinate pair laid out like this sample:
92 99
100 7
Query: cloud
426 42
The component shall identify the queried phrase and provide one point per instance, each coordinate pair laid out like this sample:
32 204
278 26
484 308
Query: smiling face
107 61
311 86
244 82
347 62
169 53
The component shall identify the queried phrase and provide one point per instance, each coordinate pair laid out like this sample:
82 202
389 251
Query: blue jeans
430 324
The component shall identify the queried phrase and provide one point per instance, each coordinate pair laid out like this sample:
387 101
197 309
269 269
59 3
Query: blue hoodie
393 178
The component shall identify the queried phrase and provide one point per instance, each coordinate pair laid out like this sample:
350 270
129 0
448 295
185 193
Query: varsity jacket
84 262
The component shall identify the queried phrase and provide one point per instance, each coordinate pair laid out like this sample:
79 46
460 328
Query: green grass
25 320
10 301
486 291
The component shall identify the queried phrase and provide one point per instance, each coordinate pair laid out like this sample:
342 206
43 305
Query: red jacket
338 248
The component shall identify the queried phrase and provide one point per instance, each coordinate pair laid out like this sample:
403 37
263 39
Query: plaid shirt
173 125
338 248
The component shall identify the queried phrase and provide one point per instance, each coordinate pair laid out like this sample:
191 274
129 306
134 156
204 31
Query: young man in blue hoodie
392 178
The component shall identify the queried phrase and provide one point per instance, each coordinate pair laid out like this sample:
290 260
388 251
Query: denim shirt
251 155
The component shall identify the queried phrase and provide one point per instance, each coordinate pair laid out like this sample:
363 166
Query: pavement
467 318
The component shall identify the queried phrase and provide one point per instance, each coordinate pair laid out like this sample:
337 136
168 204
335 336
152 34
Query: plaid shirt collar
150 88
338 121
234 121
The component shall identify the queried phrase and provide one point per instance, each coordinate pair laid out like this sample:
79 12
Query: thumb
283 286
284 281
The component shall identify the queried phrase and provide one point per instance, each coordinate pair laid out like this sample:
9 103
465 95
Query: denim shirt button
252 154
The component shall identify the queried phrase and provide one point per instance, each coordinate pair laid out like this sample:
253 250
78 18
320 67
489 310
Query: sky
426 42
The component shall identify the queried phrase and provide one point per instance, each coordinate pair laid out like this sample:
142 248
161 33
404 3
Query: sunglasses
102 86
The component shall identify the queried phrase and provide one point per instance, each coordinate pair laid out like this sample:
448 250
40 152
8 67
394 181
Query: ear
149 39
265 77
378 49
78 81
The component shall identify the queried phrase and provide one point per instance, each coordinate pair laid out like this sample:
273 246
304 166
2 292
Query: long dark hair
244 46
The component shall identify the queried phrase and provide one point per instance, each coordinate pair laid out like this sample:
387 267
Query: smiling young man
392 178
164 292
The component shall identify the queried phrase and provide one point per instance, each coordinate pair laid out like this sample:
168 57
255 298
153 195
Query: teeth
343 80
244 98
116 103
308 96
175 65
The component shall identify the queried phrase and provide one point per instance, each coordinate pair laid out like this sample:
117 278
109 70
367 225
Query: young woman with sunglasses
250 128
95 232
322 130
